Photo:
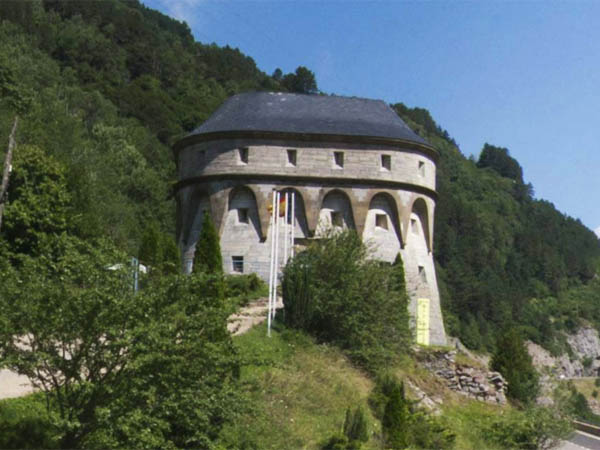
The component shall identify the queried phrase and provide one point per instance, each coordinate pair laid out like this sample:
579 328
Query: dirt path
249 316
13 385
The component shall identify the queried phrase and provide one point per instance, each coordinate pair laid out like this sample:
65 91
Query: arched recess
300 222
240 231
192 225
336 212
382 227
242 206
420 214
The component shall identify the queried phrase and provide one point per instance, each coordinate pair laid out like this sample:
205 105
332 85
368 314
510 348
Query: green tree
334 291
208 257
38 204
158 251
356 426
152 370
302 81
512 360
396 417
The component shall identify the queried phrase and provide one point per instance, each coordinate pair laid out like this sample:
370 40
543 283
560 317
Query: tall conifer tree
208 250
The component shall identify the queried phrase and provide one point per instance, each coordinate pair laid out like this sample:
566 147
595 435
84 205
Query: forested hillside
505 258
103 88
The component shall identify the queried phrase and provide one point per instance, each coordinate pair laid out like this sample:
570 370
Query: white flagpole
293 224
286 229
276 273
271 265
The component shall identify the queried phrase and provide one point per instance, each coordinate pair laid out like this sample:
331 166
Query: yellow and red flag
281 206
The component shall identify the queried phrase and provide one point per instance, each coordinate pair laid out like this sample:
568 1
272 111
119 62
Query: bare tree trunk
7 167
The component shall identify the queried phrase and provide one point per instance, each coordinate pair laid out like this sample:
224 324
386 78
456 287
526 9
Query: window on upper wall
421 168
242 215
338 159
422 274
243 153
413 226
291 157
237 263
337 219
381 221
386 162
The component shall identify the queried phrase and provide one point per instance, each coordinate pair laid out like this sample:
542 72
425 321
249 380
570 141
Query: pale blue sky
522 75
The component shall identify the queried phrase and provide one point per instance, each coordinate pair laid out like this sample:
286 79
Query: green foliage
396 417
38 201
356 426
497 248
574 404
208 257
158 251
302 81
156 369
499 159
25 423
340 442
334 292
245 287
402 424
531 429
512 360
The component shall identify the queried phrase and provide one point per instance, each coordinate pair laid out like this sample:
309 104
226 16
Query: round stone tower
351 162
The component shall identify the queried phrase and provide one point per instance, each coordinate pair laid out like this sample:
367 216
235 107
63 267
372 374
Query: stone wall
474 382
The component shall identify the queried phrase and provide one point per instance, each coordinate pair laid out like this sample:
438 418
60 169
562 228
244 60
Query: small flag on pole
281 207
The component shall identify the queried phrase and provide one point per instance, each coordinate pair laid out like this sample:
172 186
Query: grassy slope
298 391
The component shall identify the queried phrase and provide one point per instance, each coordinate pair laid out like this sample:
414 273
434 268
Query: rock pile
473 382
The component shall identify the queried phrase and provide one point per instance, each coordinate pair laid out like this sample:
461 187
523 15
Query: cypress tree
514 363
396 417
208 257
398 280
355 426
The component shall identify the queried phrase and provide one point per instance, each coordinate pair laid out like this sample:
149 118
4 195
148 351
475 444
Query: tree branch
7 166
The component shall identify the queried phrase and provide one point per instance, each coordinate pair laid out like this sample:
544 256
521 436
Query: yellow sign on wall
423 321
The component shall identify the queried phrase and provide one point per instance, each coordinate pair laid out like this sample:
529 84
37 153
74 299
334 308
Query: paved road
580 440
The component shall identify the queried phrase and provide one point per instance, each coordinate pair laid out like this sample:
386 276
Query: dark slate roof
312 114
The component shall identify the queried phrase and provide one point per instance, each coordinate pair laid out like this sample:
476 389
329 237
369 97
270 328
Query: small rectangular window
413 226
291 155
422 274
381 221
337 219
386 162
244 155
338 159
421 168
242 215
238 264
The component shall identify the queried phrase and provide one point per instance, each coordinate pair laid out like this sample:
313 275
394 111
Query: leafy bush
245 287
25 423
531 429
152 370
334 292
